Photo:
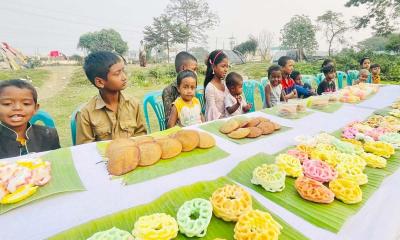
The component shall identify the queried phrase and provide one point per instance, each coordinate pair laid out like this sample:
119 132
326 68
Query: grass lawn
38 76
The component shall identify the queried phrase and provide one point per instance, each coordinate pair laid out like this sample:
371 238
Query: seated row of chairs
250 88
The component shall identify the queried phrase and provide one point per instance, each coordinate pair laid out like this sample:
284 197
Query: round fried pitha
266 127
253 122
206 140
118 144
150 153
239 133
123 159
254 132
229 126
143 139
170 147
189 139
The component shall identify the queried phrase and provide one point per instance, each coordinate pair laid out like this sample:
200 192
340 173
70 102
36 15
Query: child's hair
273 68
21 84
328 69
294 74
213 59
184 74
363 71
181 59
375 65
98 64
363 59
326 62
282 61
233 79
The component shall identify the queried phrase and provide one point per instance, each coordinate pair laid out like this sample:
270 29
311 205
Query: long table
378 219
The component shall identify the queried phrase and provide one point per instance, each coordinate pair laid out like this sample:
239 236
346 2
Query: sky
43 25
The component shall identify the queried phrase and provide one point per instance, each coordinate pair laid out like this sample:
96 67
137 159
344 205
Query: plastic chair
308 79
319 78
352 75
44 117
155 101
72 125
264 81
200 96
249 87
369 80
340 75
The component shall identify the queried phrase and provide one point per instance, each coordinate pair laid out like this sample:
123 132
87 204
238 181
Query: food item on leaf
239 133
189 139
112 234
229 126
319 170
313 190
346 190
254 132
158 226
150 153
194 216
206 140
291 165
270 177
170 147
379 148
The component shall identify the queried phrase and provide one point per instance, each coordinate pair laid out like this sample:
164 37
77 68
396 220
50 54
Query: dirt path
59 78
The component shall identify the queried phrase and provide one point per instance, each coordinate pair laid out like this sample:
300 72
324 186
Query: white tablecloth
378 219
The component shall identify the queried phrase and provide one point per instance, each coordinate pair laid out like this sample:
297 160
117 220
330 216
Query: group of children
111 114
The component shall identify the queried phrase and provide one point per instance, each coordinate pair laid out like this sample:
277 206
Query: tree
247 47
195 15
393 43
265 40
333 28
164 33
103 40
200 53
299 34
374 43
382 12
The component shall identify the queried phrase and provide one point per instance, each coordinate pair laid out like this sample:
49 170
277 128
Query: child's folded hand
238 98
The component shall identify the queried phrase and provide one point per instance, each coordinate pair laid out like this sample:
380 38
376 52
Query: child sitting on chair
109 114
304 90
288 84
376 71
18 103
235 104
273 90
362 77
186 109
328 84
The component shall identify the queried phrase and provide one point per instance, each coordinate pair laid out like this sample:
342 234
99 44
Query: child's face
116 78
237 89
187 88
16 106
297 80
190 65
288 68
366 64
363 77
275 78
221 69
330 76
376 71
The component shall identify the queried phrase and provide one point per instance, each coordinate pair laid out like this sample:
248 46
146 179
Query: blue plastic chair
72 124
155 101
309 79
249 87
200 96
352 75
42 116
340 75
264 81
369 80
319 78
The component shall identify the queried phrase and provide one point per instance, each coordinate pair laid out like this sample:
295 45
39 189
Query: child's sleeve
228 101
55 140
84 132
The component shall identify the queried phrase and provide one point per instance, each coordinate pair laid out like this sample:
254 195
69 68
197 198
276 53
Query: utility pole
232 41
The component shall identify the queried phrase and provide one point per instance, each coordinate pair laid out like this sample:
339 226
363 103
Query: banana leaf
164 167
64 179
330 108
213 127
169 203
383 111
274 111
327 216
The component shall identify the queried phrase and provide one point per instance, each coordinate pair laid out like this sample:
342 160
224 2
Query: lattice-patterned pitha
270 177
112 234
291 165
231 201
379 148
319 171
313 190
194 216
346 190
158 226
374 161
257 224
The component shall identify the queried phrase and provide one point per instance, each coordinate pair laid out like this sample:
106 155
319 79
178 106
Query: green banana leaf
328 216
331 108
383 111
64 179
274 111
169 203
164 167
213 127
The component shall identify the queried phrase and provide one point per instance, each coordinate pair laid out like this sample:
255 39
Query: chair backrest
72 124
155 101
264 81
42 116
319 78
352 75
340 75
249 87
200 96
309 79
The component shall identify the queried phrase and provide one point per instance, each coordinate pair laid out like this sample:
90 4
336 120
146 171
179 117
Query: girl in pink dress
214 85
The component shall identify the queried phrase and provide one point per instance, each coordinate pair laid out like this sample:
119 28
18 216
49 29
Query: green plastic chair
249 87
200 96
72 124
155 101
340 75
352 75
319 78
308 79
264 81
42 116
